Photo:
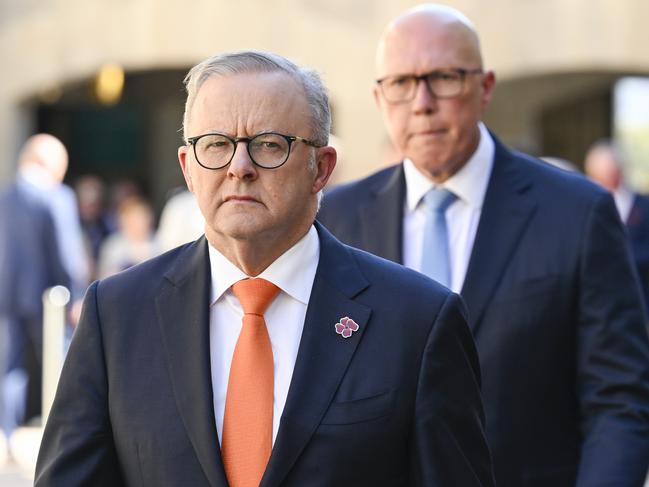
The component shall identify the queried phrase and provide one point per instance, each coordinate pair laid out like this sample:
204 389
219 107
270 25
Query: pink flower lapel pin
346 326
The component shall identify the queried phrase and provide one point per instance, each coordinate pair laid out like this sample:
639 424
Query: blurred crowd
52 233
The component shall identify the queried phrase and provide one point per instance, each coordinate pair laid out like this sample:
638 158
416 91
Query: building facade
556 63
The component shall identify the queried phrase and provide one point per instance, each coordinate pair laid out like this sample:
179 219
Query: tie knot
254 295
439 199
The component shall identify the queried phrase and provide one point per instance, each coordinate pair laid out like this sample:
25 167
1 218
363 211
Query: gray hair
264 62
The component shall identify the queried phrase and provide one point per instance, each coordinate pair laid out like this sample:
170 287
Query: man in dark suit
29 264
538 255
358 373
604 164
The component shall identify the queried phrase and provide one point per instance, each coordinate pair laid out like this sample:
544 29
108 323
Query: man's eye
216 145
401 81
445 76
268 144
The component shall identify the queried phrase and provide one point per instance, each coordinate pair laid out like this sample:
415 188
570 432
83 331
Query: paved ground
19 471
13 476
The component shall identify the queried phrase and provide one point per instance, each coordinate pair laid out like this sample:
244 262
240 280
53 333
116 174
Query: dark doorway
568 129
134 140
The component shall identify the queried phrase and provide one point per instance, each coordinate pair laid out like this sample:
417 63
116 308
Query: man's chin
430 163
237 229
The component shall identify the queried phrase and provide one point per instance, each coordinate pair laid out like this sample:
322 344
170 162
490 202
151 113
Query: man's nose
241 165
425 100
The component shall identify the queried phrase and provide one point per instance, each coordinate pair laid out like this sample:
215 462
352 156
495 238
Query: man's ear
325 163
488 88
183 154
376 91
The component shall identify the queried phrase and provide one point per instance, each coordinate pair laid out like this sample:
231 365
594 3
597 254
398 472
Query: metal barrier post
55 300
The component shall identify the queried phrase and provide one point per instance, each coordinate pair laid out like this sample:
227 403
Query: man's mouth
239 199
430 132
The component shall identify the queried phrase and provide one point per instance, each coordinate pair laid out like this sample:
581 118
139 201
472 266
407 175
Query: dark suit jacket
637 225
396 404
555 311
29 263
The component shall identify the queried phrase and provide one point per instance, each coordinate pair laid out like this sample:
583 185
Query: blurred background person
604 164
95 224
43 164
30 262
537 253
118 192
181 220
134 242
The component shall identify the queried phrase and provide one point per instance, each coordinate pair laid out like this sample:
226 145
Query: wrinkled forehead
424 42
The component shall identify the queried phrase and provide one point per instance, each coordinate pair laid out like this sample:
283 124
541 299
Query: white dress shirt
624 202
470 185
293 272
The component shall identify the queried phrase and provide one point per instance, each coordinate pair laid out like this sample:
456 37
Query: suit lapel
323 355
636 215
382 219
183 315
506 211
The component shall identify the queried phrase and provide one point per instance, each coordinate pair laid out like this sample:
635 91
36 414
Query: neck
254 255
440 173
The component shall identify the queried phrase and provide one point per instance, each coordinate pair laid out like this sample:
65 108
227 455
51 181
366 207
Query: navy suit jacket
29 263
637 225
396 404
556 314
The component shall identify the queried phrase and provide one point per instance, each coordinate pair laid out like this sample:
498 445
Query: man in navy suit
375 375
539 256
604 165
30 263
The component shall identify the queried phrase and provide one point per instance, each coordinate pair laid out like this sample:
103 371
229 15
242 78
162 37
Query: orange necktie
248 417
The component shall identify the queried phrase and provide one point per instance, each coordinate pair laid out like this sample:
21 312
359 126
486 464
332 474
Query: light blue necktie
435 257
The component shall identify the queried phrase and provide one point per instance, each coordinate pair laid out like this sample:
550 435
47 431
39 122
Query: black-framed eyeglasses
443 83
268 149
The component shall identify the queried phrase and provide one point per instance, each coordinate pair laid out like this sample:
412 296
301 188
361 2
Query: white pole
55 300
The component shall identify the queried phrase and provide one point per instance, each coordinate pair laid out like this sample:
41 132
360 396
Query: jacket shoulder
351 192
559 176
340 206
144 278
568 187
641 201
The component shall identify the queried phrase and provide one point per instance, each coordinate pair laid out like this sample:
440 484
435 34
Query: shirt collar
623 197
293 272
35 179
469 183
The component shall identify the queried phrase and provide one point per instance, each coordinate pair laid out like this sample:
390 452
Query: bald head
431 29
46 154
603 164
433 53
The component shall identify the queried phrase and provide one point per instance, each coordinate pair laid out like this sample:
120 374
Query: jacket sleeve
77 447
449 443
612 357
